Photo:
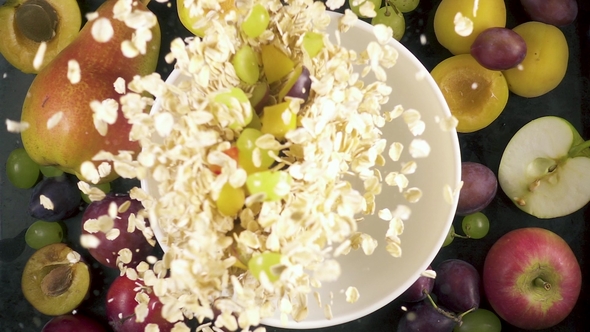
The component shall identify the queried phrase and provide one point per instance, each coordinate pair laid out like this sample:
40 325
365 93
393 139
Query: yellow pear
57 107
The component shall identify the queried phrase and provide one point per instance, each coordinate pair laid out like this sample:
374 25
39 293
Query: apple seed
36 20
57 281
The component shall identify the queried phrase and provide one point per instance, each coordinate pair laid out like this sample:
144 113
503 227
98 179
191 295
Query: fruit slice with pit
544 168
25 24
476 95
55 281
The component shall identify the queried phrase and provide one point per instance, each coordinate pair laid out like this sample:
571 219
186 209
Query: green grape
450 236
479 320
236 95
475 225
355 6
50 171
231 200
256 21
278 120
42 233
246 144
21 170
393 18
313 43
255 123
245 63
265 262
405 6
274 184
105 187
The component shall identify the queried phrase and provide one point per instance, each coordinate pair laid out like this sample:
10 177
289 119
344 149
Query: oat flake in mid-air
102 30
16 126
55 119
46 202
463 25
39 56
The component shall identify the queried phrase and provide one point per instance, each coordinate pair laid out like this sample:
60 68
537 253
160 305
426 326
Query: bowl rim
391 296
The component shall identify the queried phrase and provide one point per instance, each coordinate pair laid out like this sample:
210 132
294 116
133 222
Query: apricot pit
55 281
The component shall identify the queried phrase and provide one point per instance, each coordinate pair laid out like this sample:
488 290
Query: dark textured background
570 100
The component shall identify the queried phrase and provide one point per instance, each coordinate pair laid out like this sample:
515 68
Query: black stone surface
570 100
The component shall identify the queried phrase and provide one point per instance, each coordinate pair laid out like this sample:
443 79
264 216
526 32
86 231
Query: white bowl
380 278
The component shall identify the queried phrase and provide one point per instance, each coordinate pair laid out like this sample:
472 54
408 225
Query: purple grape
63 194
555 12
417 292
479 188
457 285
498 48
425 317
300 87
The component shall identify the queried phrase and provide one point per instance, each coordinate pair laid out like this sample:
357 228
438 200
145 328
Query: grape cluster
387 12
447 299
479 189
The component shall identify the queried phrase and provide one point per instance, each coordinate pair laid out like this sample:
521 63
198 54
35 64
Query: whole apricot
545 63
458 22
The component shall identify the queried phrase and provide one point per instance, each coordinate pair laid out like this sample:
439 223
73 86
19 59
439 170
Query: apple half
545 167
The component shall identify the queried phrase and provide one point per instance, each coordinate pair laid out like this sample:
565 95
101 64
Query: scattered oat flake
16 126
419 148
89 172
113 234
89 241
429 274
91 16
328 311
119 85
367 8
74 74
39 56
383 33
73 257
463 25
55 119
352 294
395 150
102 30
46 202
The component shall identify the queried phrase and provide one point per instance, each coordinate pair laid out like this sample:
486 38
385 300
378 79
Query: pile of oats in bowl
269 255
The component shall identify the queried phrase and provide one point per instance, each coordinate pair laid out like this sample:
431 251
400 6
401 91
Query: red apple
532 278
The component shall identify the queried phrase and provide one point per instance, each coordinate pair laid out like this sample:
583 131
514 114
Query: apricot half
475 95
26 24
55 281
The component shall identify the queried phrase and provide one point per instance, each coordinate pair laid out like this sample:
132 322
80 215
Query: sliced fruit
26 24
544 168
476 96
276 64
55 281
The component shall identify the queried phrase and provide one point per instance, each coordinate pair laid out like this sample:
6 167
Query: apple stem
575 150
539 282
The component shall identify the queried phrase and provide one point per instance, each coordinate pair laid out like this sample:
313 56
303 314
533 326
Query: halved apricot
475 95
26 24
